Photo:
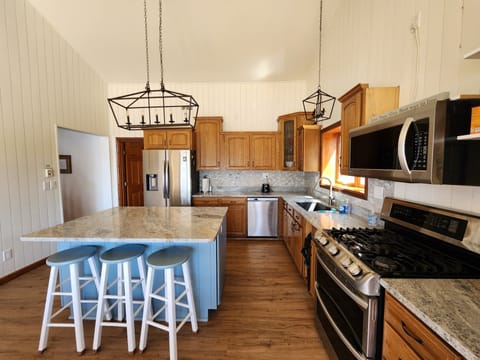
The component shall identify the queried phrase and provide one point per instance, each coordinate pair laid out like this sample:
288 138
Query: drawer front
415 333
394 347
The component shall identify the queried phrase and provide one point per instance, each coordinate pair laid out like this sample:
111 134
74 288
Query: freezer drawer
262 217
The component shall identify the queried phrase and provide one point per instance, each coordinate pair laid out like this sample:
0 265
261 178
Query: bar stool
73 258
167 259
121 256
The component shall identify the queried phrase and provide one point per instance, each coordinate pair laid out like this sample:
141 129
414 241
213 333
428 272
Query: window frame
333 133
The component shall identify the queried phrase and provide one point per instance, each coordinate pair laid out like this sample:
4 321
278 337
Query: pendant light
151 109
319 105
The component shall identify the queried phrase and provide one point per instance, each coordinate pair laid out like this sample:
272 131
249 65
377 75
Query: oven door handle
337 330
360 302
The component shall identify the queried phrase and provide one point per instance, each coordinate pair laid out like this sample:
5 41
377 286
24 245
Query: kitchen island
202 229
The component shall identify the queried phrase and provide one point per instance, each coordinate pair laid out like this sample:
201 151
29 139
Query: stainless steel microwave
418 143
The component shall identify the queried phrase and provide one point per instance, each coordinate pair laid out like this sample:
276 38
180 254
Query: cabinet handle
409 333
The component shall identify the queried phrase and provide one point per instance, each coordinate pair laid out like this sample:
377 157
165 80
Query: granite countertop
320 220
138 224
450 307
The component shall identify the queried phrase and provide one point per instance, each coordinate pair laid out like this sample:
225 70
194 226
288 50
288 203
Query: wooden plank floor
266 313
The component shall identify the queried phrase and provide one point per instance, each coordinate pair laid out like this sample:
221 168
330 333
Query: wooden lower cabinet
236 214
293 224
407 337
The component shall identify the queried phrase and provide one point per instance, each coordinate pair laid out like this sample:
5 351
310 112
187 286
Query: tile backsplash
460 198
281 181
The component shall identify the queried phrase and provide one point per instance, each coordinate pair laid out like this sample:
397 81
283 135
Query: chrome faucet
331 198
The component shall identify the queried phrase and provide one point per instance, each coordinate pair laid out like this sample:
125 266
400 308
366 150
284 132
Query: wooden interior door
130 171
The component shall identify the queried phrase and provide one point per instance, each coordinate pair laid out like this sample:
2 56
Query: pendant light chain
320 44
147 86
160 41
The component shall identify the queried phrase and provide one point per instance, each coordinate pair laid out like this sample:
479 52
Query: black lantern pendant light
150 109
319 106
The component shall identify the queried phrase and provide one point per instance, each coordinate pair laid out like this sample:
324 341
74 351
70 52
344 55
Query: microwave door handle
402 138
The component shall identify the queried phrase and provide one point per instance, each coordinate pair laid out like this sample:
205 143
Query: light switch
48 172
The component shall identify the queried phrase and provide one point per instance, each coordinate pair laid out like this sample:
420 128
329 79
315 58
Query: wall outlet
7 254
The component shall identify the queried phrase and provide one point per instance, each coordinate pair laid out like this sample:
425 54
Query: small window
331 150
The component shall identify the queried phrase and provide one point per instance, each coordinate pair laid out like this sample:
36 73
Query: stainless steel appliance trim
472 233
360 302
435 111
337 330
262 216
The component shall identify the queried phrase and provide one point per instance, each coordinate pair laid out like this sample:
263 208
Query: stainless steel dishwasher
262 217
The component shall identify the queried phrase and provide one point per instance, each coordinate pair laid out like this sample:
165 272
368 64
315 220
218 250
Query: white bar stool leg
97 335
171 312
120 285
77 307
147 310
191 302
129 307
96 279
52 283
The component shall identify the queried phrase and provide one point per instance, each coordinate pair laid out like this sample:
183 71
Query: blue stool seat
120 258
122 253
71 258
166 260
169 257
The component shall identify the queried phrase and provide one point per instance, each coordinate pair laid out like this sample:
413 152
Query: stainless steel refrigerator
169 177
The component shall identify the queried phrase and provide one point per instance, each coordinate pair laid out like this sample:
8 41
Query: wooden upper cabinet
237 150
287 126
309 148
208 143
250 150
263 151
167 139
359 104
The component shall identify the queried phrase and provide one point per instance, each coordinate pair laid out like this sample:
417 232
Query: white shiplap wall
371 41
245 106
43 84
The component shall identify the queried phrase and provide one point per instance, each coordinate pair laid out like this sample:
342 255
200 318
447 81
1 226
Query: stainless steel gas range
418 241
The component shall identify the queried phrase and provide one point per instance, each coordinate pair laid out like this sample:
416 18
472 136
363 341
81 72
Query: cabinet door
236 216
351 118
309 147
154 139
263 151
414 334
288 139
237 151
179 139
207 136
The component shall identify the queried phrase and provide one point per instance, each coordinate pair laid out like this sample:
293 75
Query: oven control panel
345 266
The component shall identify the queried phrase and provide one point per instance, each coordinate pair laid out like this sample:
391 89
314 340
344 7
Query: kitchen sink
315 206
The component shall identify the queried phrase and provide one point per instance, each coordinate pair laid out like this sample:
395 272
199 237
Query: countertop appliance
262 217
418 143
169 177
418 241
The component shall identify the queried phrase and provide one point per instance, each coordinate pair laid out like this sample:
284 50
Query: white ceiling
204 40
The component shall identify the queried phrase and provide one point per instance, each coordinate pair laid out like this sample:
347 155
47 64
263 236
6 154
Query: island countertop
138 224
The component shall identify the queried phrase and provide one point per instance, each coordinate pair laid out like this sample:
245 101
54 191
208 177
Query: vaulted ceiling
204 40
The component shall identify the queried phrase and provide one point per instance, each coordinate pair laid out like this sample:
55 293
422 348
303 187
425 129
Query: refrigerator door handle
166 183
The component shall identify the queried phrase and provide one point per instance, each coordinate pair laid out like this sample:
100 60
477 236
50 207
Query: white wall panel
43 82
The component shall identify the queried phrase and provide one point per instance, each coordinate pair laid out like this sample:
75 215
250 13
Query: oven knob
323 240
345 261
332 249
354 269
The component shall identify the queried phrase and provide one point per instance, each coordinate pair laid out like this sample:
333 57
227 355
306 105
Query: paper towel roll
205 184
